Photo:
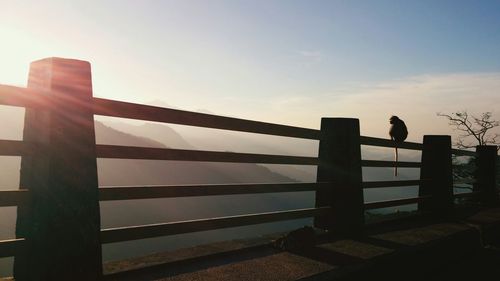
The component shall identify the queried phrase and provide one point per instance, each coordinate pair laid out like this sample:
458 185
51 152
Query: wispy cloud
415 99
418 99
313 55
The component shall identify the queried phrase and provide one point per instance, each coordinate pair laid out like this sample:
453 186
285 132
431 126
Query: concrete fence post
486 184
438 175
340 165
61 223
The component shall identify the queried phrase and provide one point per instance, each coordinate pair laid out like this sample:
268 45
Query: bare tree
474 130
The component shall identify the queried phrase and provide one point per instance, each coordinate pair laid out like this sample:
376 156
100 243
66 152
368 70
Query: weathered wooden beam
148 192
16 148
397 202
381 184
461 152
399 164
159 114
120 234
12 247
364 140
150 153
466 194
14 197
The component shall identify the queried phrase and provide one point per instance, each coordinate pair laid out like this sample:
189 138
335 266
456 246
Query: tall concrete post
340 165
486 178
61 223
438 175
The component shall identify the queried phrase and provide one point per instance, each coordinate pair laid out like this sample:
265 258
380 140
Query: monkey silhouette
398 133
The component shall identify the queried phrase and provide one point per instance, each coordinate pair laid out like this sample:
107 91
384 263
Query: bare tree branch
473 127
473 131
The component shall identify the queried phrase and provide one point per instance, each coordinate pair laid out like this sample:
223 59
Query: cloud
315 56
449 92
415 99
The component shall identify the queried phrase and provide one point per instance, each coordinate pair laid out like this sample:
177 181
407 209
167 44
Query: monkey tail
396 161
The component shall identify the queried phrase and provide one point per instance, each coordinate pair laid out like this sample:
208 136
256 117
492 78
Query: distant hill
133 172
162 135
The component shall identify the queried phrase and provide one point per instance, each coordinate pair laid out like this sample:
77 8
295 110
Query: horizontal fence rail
148 192
163 229
393 203
174 116
399 164
461 152
379 184
38 99
14 197
11 247
389 143
15 148
22 97
148 153
464 181
466 194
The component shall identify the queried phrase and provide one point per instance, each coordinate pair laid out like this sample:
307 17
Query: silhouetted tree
474 130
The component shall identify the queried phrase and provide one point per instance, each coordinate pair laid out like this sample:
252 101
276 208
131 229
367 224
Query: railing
59 173
9 198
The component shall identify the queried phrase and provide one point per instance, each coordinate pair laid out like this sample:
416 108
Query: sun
19 48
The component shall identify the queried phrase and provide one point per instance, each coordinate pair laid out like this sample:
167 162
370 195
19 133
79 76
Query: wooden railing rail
23 97
396 202
467 194
462 152
130 152
168 191
15 148
464 181
399 164
162 229
158 114
14 197
389 143
379 184
11 247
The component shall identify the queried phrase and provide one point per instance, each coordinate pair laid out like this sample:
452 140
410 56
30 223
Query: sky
287 61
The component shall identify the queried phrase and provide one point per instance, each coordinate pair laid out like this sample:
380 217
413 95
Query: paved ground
481 265
280 266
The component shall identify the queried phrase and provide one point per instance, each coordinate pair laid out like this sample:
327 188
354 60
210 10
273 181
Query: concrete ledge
488 223
186 255
415 253
280 266
392 255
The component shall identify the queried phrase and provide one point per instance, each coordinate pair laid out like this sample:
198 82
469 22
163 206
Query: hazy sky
280 61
